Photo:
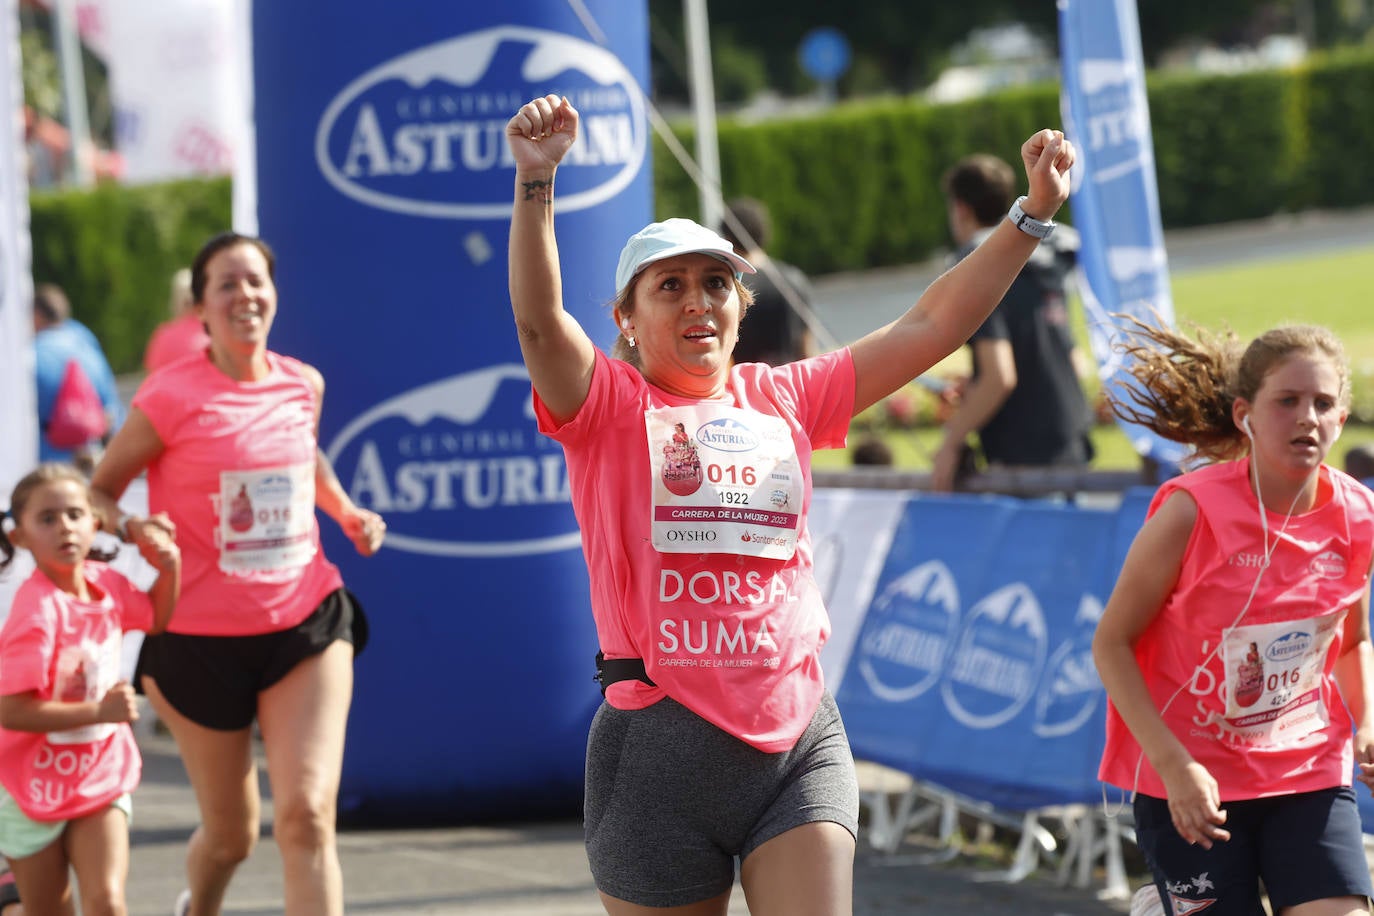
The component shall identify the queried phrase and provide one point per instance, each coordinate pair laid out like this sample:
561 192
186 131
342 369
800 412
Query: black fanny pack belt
610 670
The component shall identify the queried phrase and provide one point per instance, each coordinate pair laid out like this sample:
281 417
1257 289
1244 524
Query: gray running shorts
672 800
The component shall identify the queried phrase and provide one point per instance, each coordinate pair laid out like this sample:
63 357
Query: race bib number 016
725 480
1274 677
266 518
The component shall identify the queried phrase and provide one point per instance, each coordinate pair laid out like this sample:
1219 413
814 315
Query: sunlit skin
57 526
685 321
238 307
1295 419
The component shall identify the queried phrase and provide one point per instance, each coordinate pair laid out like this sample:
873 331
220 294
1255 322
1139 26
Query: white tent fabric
18 421
176 80
18 411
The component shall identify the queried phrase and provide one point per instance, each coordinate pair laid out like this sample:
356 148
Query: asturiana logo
458 469
906 638
1288 646
273 485
726 435
421 133
1329 565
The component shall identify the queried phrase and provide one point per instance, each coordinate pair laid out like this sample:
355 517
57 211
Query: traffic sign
824 54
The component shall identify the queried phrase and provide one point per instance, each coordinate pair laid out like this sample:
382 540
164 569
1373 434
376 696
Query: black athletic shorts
1303 847
215 680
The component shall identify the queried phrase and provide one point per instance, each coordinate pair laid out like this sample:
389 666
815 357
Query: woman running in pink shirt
1235 647
690 480
68 760
265 629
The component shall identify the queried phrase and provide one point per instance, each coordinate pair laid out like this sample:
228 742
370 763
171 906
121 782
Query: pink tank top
693 519
237 476
1254 699
66 649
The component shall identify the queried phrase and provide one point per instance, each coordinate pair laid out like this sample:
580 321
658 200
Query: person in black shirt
1024 399
772 331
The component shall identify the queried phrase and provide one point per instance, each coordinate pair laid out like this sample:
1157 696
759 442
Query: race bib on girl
725 480
1274 677
85 671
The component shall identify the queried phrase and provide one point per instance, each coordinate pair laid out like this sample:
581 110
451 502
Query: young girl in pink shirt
68 760
1235 648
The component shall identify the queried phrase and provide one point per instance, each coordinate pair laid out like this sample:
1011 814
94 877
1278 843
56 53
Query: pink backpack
78 416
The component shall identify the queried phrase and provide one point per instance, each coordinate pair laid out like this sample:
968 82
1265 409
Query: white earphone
1245 425
625 323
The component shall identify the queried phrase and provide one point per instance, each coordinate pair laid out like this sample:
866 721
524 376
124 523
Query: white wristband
1038 228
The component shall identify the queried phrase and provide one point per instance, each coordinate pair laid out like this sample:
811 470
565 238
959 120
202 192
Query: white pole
18 406
701 90
244 136
73 92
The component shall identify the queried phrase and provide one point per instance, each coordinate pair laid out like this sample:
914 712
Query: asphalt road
850 305
537 869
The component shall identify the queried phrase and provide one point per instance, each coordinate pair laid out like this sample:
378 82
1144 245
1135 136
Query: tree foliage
901 45
42 76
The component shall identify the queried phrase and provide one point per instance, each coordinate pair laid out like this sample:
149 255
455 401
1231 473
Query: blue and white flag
1115 199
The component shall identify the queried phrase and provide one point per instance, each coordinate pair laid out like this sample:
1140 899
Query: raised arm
558 353
953 307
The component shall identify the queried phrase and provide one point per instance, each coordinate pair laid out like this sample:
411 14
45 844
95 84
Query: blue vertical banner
1115 199
384 184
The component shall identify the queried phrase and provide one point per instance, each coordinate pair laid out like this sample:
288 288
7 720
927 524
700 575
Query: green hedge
114 250
854 188
857 187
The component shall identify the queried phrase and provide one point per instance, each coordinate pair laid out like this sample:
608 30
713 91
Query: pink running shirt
693 520
237 476
67 649
1263 715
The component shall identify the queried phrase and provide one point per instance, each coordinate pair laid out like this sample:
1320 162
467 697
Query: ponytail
6 548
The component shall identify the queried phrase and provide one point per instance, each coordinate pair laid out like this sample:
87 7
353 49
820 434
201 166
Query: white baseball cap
669 239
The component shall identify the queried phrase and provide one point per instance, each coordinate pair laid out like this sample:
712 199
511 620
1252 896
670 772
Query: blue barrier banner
1115 200
385 187
973 665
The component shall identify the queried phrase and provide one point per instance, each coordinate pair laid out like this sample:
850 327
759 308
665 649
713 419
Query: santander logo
421 133
459 469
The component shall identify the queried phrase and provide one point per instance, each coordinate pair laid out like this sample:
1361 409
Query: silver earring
631 339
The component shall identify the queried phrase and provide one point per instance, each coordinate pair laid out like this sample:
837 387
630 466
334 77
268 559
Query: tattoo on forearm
540 190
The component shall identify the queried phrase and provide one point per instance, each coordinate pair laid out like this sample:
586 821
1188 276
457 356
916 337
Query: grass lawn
1329 289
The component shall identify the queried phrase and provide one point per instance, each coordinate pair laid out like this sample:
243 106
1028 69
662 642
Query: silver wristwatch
1039 228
